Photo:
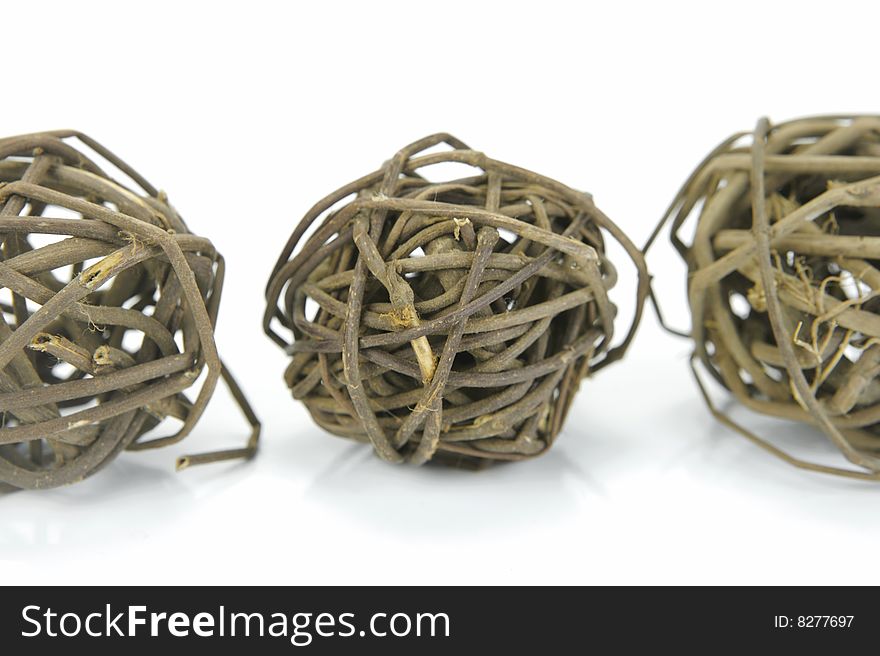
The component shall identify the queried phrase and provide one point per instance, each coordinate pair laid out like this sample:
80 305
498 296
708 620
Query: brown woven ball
107 304
784 279
450 320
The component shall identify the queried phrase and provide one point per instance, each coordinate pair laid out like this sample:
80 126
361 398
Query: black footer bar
433 619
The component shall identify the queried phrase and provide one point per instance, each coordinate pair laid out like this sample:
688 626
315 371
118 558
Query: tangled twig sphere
452 319
106 315
784 278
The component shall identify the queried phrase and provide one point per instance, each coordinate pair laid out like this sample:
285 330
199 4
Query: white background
247 113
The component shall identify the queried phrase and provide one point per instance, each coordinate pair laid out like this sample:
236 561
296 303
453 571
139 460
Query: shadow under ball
107 309
449 320
784 277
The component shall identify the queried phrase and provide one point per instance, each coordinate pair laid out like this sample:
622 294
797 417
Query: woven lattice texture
451 320
108 304
784 278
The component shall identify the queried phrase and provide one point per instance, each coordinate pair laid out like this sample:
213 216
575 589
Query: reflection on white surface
657 492
405 501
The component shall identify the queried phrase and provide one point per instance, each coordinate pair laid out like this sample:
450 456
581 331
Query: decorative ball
783 278
450 320
107 304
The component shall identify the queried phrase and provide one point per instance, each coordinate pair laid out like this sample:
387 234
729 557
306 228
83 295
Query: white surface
247 113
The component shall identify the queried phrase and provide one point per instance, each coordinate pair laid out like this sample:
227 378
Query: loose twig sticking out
447 320
783 278
107 310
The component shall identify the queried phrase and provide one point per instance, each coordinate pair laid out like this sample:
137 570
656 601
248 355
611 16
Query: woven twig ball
108 304
784 278
450 320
